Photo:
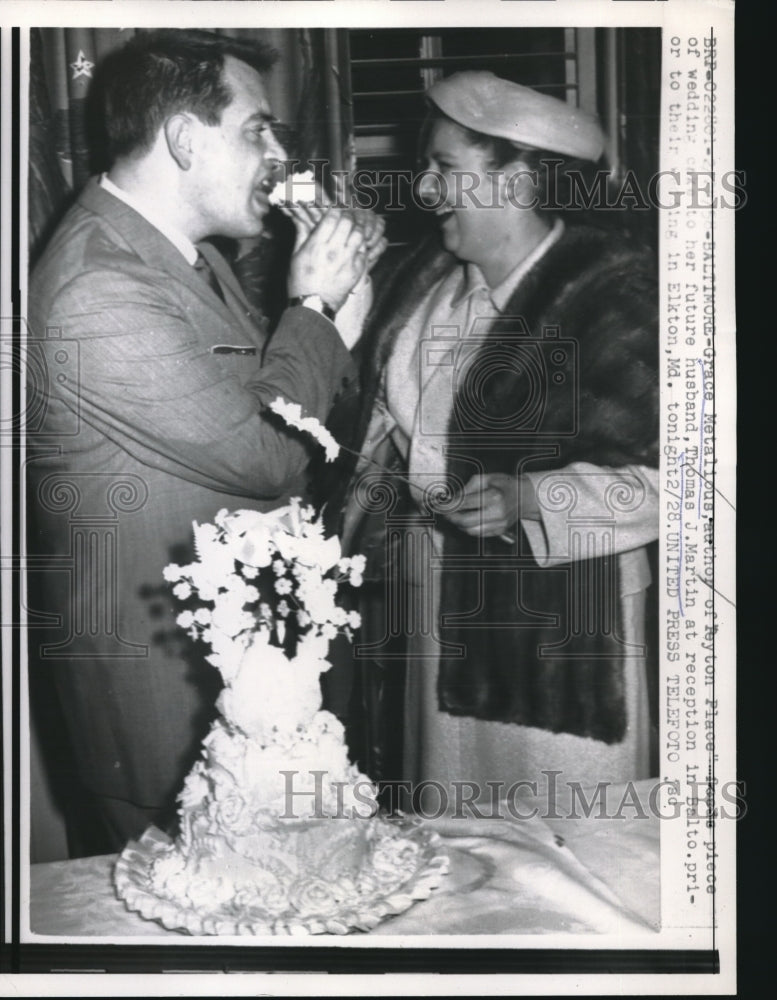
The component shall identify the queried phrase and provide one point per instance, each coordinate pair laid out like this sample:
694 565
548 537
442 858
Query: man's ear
178 135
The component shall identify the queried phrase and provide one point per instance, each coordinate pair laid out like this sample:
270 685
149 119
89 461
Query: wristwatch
313 301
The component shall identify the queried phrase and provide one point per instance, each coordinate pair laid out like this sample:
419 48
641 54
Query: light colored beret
489 104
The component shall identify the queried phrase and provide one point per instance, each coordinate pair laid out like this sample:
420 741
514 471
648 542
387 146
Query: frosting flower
292 414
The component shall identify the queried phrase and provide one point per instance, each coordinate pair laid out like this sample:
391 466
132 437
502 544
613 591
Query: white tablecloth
590 874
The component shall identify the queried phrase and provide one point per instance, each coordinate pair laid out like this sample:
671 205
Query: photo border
698 964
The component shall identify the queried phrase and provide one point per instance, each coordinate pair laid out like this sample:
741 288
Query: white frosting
297 189
312 871
270 693
273 813
293 775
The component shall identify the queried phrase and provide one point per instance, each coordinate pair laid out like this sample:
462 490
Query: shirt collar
177 238
474 281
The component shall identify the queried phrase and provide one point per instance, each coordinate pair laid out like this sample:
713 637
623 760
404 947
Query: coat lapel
162 256
236 302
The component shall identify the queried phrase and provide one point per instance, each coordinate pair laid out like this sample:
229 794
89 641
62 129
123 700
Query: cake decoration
292 414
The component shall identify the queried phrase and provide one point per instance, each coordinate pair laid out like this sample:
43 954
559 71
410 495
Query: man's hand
372 227
491 504
330 256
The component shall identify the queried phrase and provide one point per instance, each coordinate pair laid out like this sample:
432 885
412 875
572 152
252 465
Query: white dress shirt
177 238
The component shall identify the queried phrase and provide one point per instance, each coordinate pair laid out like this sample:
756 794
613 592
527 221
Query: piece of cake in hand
296 189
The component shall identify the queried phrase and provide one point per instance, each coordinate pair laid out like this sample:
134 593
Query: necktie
205 271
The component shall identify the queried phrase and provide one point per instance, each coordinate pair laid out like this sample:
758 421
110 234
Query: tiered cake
279 832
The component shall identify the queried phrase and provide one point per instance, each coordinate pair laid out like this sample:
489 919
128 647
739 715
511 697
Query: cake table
588 875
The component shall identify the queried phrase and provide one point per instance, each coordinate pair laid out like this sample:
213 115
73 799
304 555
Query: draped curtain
62 62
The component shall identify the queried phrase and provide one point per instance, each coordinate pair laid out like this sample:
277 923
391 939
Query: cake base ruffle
404 863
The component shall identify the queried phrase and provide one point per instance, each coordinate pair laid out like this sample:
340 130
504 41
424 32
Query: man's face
469 200
233 169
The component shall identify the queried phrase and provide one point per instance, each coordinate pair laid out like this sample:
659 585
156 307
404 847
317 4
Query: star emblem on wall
82 66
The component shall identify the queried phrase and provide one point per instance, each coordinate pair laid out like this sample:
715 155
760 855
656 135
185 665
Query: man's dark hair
161 73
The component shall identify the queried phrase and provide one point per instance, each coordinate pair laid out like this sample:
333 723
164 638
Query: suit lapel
236 303
162 256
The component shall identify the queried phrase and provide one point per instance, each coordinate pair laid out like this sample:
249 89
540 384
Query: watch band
313 301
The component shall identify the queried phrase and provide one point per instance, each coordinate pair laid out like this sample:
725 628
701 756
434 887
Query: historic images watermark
551 185
552 798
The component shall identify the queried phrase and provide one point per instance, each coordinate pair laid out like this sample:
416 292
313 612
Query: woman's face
469 200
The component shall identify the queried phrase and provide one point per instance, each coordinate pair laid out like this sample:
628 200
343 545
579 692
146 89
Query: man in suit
150 411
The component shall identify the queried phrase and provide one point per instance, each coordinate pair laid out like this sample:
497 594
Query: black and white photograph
368 471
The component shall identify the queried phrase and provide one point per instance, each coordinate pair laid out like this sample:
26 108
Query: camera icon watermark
42 371
474 368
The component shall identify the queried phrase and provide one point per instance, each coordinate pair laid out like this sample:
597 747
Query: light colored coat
606 505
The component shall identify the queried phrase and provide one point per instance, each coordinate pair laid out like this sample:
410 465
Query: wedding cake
278 831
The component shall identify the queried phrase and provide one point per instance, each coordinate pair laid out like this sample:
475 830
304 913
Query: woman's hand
492 503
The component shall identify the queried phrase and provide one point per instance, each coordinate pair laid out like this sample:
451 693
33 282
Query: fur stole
513 654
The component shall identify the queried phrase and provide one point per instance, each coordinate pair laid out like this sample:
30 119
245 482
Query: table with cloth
560 871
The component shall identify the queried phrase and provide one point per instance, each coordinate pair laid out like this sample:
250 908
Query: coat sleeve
148 381
616 509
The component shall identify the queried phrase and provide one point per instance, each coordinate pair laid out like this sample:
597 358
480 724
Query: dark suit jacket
136 429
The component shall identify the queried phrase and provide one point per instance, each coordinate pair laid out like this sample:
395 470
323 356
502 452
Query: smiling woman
511 382
472 190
